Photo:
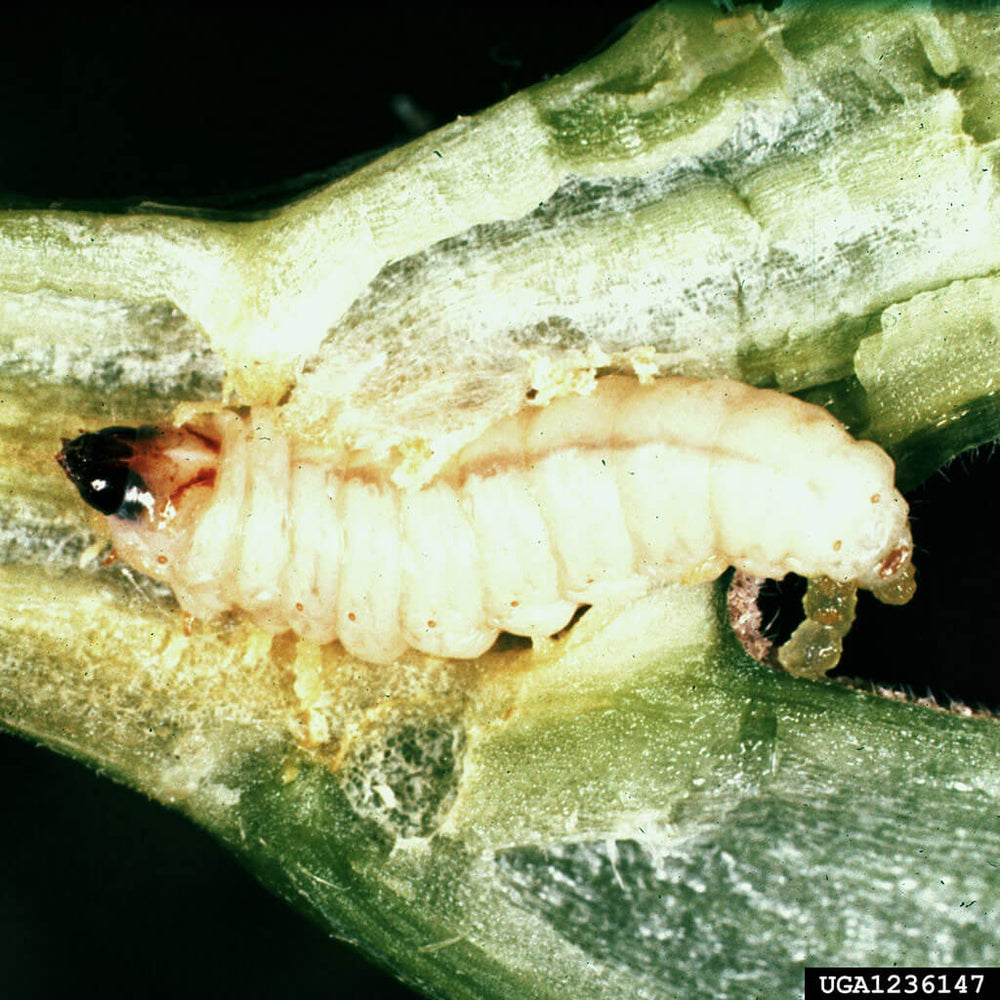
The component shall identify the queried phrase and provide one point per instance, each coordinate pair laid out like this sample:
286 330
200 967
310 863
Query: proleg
590 498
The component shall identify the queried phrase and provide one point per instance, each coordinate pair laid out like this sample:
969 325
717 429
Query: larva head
100 467
138 474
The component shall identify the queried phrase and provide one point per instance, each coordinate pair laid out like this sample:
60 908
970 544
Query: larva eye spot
98 465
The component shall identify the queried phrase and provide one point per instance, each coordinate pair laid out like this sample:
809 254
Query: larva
587 499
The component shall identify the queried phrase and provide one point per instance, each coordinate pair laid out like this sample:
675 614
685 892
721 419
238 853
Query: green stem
805 199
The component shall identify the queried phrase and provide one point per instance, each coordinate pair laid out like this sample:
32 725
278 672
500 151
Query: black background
100 889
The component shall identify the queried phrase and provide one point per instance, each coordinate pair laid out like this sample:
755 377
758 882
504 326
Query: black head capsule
99 466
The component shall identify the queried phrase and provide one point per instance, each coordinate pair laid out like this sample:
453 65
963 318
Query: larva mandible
588 498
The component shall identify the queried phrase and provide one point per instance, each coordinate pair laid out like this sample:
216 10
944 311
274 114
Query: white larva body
589 498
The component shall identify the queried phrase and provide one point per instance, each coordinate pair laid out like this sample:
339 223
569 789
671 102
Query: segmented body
587 499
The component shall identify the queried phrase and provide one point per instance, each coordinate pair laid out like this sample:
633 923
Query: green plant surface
804 199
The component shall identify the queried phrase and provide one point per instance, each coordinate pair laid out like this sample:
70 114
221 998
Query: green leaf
803 199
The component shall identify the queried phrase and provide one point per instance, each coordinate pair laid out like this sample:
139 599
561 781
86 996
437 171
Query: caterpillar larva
589 498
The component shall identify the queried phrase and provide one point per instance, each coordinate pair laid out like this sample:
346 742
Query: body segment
588 499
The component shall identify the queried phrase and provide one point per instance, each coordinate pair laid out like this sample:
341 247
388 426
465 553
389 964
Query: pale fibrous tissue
591 498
